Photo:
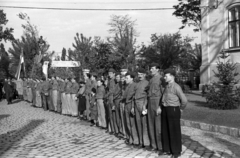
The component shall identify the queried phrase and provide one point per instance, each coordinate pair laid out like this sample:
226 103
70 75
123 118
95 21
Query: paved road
27 132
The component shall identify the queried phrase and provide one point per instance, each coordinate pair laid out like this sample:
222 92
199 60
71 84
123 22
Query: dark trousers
141 121
45 101
154 122
34 96
130 125
9 97
171 130
110 114
116 116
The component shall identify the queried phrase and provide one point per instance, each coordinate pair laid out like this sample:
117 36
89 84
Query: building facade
220 32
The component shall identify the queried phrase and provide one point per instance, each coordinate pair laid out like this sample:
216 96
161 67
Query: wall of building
215 37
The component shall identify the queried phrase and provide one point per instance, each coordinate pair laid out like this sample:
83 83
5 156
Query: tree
222 94
4 62
190 13
165 49
7 33
104 59
32 50
124 40
83 51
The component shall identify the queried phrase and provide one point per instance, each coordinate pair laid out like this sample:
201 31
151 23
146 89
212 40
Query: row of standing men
145 113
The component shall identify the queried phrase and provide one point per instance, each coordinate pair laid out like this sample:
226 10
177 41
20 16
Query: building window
233 26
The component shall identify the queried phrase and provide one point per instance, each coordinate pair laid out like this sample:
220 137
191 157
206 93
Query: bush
221 94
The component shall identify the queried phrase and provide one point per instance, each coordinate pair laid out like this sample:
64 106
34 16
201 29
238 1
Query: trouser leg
154 122
116 116
127 124
87 107
122 119
74 105
134 133
110 112
174 129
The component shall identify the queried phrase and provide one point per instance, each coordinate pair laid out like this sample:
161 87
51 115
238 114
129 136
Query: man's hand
132 111
159 111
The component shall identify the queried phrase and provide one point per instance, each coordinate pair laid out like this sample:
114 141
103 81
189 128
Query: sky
59 27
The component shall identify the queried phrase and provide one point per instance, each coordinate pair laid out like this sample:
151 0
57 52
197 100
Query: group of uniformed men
145 113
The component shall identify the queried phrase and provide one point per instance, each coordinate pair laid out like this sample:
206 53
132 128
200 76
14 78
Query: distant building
220 31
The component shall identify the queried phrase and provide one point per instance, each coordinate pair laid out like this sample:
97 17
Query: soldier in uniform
25 89
33 87
38 94
19 83
141 108
88 89
110 104
128 97
59 98
116 100
100 93
154 111
45 94
64 99
122 105
8 89
74 91
54 93
68 96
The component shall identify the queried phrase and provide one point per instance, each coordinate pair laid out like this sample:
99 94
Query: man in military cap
154 111
141 108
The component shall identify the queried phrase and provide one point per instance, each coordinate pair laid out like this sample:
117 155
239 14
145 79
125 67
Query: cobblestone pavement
27 132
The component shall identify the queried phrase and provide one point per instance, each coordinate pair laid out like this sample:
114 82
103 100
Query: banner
65 64
45 68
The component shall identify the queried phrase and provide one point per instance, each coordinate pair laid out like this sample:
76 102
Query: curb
234 132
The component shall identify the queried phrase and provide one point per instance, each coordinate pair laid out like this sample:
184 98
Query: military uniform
25 89
140 105
29 85
111 89
116 113
68 97
45 94
64 97
59 98
54 94
88 88
130 125
101 110
33 87
154 120
74 102
38 95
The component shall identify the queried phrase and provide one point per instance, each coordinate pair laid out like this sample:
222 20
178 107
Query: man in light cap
173 101
141 108
154 110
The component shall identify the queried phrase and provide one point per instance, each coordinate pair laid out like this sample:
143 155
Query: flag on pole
21 61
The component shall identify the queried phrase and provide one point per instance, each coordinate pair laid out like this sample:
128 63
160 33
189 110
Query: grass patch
197 110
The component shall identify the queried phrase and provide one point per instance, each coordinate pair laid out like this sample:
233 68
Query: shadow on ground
195 145
3 116
234 148
16 101
9 139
